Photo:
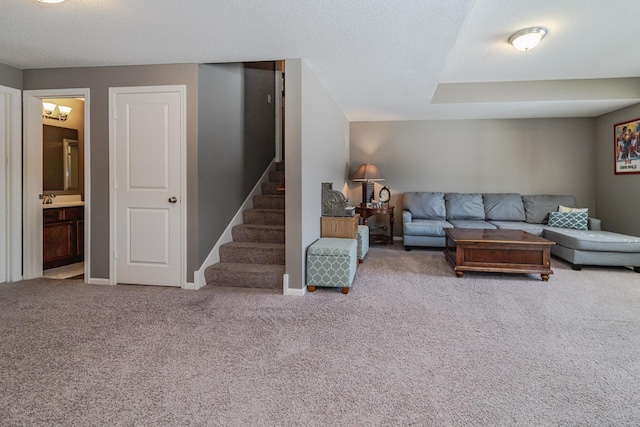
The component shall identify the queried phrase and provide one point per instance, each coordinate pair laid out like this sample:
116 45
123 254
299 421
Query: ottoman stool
331 262
363 242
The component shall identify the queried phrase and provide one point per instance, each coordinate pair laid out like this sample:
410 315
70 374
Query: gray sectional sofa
579 239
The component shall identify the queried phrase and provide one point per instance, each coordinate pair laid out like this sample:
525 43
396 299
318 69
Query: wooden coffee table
501 251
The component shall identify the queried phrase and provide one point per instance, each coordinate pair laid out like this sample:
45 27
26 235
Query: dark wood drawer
63 236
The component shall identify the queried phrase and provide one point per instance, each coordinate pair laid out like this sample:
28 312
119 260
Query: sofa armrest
406 216
594 224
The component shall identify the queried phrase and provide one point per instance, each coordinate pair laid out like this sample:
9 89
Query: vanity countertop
64 201
62 205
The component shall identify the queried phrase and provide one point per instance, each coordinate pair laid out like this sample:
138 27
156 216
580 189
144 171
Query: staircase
256 256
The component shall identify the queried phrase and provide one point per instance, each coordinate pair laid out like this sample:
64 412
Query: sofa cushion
471 223
576 220
537 207
425 205
503 207
426 227
588 240
535 229
464 206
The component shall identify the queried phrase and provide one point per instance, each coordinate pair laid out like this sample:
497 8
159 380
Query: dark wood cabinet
62 236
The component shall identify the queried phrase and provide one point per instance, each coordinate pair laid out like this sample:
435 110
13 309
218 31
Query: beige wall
618 203
527 156
316 151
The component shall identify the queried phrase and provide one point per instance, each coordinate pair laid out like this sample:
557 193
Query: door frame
13 182
32 178
113 186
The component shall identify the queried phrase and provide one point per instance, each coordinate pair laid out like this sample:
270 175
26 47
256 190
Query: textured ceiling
379 59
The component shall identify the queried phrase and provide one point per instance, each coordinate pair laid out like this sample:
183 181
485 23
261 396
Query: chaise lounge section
579 239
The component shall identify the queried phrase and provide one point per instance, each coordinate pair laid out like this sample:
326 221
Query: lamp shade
366 173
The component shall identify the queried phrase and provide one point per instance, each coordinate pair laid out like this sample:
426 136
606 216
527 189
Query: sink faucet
47 199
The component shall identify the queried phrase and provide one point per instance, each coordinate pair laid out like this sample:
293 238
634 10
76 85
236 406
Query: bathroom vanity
63 234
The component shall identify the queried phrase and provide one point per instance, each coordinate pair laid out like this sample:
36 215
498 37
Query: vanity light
48 110
48 107
528 38
50 1
64 112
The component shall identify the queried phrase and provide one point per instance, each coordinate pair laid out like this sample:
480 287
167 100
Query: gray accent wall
618 203
236 141
10 76
316 151
99 80
527 156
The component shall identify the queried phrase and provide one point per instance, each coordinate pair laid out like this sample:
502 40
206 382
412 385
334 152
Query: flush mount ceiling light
50 1
528 38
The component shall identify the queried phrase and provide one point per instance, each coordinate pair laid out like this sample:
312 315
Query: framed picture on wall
626 136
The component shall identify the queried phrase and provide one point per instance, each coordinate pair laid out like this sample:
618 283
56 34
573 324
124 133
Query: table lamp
367 174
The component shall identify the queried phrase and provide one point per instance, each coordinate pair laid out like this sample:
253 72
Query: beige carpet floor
410 345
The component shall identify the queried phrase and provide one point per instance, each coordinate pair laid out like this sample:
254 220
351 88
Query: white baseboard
94 281
191 286
291 292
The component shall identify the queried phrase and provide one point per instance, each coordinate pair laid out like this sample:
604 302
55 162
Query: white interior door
148 136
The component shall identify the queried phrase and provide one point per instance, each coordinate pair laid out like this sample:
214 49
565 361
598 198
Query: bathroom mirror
61 161
71 160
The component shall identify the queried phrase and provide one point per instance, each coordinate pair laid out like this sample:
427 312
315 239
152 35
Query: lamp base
367 193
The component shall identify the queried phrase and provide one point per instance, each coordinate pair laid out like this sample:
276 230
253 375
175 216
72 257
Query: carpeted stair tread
264 216
276 176
270 188
268 201
253 253
265 276
258 233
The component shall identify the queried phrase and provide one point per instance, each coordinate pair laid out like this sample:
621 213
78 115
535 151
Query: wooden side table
365 213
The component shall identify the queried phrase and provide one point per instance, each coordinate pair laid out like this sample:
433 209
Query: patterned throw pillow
576 220
567 209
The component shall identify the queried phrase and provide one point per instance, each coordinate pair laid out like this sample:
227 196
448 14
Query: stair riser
276 177
246 234
280 166
252 255
251 216
268 202
243 279
270 188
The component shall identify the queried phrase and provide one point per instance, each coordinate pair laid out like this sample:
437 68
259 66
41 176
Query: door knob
172 200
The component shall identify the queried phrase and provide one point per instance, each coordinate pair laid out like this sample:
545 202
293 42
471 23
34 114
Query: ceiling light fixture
528 38
50 1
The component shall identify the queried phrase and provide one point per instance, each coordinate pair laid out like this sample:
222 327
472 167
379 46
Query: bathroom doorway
56 184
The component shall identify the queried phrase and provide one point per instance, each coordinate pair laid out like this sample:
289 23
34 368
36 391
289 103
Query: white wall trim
226 237
14 184
291 292
101 282
32 177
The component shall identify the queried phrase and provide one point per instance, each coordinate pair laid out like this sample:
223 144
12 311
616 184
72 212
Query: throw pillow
568 209
575 220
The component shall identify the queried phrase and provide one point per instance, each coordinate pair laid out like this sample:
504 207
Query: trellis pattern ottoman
363 241
331 262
